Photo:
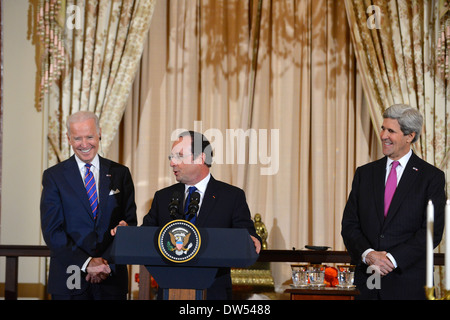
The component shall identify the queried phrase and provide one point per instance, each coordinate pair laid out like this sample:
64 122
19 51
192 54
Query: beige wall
24 143
22 138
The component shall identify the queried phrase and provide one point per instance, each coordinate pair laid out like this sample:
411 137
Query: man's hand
98 270
379 259
257 244
122 223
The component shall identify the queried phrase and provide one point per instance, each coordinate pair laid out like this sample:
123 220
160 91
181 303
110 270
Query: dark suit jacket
223 206
69 229
402 233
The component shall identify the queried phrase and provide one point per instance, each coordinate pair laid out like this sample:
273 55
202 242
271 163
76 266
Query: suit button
382 236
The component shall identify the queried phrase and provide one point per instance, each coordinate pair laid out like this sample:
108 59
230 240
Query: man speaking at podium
212 203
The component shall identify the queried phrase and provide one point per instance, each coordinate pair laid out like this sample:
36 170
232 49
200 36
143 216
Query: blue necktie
91 189
186 206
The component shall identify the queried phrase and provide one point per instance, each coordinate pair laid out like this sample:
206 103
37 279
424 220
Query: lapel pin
108 175
415 169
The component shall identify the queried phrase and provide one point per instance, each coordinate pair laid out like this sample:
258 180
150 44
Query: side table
324 293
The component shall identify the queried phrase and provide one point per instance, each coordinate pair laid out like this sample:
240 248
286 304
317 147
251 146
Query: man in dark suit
221 205
79 228
388 232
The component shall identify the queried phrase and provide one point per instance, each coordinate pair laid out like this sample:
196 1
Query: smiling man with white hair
384 221
83 199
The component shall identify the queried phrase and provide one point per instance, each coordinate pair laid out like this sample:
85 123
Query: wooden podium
220 247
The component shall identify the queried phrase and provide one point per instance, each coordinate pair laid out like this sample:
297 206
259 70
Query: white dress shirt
201 188
95 169
400 168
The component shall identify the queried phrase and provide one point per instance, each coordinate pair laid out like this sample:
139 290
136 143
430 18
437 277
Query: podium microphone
193 205
174 204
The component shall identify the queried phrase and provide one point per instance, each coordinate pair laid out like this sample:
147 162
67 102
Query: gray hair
409 119
81 116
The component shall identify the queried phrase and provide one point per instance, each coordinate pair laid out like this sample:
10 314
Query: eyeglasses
178 157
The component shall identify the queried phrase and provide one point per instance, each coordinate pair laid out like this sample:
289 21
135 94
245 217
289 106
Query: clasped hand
380 260
97 270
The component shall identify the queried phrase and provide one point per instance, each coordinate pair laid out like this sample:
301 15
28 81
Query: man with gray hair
384 222
84 199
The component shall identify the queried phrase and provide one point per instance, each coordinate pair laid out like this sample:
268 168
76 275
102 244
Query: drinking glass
299 275
346 276
316 275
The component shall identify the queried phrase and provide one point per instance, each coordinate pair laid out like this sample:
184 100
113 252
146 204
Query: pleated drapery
102 43
280 73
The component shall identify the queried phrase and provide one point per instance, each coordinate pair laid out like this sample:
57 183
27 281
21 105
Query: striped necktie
91 189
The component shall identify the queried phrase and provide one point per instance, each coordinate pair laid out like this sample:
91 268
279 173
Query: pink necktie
391 185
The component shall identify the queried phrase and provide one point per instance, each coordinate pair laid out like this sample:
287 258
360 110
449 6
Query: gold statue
258 277
261 230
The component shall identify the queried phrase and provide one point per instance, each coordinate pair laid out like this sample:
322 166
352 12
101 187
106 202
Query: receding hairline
82 116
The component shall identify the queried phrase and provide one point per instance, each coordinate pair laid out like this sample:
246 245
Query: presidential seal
179 241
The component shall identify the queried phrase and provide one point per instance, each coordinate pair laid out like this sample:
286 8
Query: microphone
174 204
193 205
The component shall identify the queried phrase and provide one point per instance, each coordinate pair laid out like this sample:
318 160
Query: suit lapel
379 174
104 186
410 174
73 177
208 202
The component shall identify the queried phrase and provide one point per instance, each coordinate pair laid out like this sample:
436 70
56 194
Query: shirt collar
201 186
402 161
95 163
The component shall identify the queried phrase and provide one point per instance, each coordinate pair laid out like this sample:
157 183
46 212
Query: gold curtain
102 45
284 69
398 50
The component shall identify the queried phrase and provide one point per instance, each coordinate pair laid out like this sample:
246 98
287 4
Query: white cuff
85 264
392 259
365 253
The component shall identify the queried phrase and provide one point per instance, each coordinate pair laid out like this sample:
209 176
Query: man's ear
411 137
200 159
203 158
